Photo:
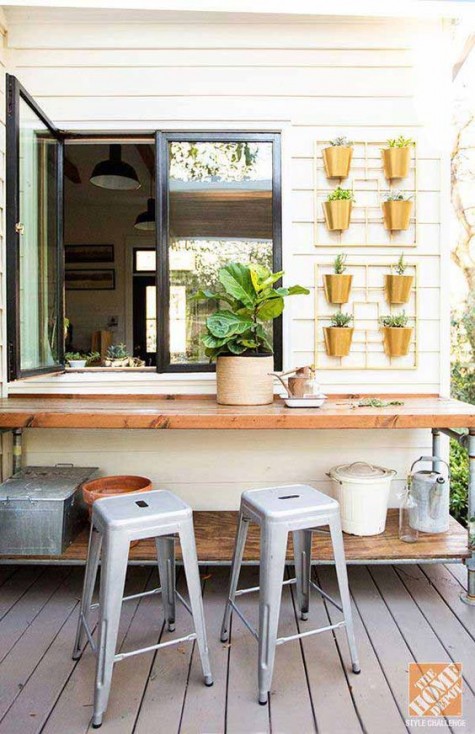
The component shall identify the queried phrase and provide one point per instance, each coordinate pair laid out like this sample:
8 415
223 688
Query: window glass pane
39 308
145 261
151 317
220 210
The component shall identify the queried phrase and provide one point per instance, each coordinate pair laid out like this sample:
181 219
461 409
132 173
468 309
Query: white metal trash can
362 491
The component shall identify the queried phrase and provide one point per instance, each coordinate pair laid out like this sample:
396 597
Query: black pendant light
146 220
115 173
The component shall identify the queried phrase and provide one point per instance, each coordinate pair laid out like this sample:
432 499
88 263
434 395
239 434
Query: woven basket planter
398 288
396 162
337 160
337 214
338 340
397 340
337 287
245 380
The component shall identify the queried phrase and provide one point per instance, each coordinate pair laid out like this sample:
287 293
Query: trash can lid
360 471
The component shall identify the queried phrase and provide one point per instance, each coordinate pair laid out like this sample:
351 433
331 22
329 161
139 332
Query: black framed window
35 278
219 198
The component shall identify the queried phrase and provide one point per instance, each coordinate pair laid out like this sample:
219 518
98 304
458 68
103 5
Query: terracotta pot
338 340
397 340
398 288
337 287
111 486
245 380
397 214
396 162
337 214
337 160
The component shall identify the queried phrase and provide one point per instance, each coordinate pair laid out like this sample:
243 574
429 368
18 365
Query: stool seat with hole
298 509
116 521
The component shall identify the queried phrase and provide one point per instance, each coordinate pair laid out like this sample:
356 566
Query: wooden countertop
202 412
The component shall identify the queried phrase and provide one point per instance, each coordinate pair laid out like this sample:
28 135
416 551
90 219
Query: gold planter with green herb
338 340
397 214
398 288
396 334
337 160
397 157
337 287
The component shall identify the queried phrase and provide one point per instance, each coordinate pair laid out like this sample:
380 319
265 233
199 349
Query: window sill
119 381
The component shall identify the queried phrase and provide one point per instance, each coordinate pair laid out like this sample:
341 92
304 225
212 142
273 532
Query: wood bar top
202 412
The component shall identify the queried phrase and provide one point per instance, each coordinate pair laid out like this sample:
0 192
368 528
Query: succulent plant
394 320
341 320
343 141
397 196
400 142
340 194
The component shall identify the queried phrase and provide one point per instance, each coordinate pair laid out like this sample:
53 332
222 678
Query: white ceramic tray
315 401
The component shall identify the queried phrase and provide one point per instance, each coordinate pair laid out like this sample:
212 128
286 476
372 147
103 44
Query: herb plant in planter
236 335
337 158
339 335
338 284
337 209
117 356
397 284
397 157
397 209
396 334
76 360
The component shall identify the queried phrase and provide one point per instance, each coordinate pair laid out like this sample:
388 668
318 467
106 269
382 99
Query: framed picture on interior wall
90 280
76 254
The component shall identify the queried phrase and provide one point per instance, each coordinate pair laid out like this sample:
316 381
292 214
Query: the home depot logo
435 689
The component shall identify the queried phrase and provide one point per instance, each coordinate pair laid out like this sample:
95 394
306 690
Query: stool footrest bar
122 655
184 602
326 596
240 592
158 590
244 620
281 640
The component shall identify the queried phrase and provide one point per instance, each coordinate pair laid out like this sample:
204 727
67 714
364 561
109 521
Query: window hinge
19 228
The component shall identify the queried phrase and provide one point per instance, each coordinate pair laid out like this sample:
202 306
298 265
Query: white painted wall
366 79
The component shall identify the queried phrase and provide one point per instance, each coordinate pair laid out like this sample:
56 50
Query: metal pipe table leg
469 596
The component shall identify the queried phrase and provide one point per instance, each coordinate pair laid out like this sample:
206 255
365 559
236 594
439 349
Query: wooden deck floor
402 614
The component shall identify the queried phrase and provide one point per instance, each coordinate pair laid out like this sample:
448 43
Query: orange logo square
435 689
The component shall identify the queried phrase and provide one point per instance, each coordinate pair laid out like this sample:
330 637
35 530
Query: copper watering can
300 382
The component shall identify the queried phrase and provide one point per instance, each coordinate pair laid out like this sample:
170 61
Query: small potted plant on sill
339 335
396 334
398 285
338 285
397 157
337 157
397 209
236 335
337 209
117 356
76 360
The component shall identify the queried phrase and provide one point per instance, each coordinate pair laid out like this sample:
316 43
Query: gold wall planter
337 214
398 288
397 214
245 380
337 287
338 340
396 340
337 160
396 162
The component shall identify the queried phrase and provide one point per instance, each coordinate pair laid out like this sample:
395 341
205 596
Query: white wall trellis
368 182
367 302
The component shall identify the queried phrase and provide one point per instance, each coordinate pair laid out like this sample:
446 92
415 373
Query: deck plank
450 589
15 586
72 711
204 709
370 690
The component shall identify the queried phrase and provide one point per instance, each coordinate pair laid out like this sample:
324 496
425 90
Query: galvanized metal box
42 510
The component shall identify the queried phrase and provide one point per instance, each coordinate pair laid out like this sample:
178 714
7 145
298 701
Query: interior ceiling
225 213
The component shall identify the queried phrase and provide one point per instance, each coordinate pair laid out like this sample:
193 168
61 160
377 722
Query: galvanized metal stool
279 510
116 521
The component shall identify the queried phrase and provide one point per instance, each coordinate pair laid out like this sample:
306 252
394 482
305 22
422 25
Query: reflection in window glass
220 210
39 312
151 318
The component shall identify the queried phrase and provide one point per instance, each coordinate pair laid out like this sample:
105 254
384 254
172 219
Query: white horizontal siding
311 80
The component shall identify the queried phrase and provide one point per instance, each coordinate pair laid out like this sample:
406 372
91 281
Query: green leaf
206 295
262 335
297 290
236 347
249 343
236 279
212 342
226 323
270 309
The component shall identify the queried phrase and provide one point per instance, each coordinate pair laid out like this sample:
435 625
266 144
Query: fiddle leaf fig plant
252 300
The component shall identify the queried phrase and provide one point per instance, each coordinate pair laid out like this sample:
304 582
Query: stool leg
113 571
190 563
90 574
240 542
342 576
166 566
303 564
271 574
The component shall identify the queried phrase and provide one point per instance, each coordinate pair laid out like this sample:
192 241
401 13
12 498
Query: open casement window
34 237
219 200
